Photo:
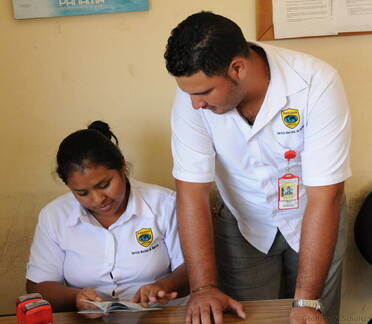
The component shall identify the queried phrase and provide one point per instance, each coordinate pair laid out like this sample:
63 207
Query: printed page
301 18
115 306
353 15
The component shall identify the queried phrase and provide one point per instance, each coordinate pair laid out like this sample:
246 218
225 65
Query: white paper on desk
353 15
115 306
301 18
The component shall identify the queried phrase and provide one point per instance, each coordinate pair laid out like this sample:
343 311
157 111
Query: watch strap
313 303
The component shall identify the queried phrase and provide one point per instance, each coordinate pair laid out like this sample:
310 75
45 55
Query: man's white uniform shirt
141 247
246 161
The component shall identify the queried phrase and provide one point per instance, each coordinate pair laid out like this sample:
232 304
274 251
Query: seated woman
111 237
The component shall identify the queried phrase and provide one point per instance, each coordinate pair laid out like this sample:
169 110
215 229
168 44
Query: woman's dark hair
204 42
89 147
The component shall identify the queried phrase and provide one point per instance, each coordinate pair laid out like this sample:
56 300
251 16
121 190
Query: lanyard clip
289 155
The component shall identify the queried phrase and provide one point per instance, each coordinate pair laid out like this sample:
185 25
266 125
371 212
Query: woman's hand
153 293
87 294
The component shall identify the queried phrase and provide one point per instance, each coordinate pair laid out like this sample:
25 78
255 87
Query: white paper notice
301 18
353 15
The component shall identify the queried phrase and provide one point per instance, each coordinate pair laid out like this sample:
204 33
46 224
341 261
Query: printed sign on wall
54 8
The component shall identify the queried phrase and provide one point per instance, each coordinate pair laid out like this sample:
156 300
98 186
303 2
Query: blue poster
53 8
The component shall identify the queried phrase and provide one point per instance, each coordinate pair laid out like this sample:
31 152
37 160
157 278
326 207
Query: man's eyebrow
200 93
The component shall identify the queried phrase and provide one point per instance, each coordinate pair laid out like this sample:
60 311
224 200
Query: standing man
271 127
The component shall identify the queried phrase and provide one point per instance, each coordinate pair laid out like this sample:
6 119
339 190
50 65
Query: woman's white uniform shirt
141 247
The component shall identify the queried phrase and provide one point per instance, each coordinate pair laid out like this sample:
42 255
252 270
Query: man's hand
87 294
306 315
211 302
153 293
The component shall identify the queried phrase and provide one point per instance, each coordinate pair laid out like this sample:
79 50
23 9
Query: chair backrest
363 229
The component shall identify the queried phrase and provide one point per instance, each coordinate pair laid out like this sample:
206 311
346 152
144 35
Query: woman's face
100 190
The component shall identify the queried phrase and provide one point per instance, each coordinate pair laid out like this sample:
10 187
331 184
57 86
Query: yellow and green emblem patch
144 236
291 117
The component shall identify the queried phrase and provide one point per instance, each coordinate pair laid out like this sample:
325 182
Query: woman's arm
61 297
176 281
174 285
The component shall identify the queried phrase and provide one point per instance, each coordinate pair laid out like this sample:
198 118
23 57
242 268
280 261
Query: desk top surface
259 312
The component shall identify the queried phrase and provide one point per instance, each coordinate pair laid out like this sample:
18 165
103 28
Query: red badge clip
289 155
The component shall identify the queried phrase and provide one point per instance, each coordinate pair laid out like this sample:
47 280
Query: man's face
219 94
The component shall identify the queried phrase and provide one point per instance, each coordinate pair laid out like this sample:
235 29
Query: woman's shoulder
154 196
152 190
62 206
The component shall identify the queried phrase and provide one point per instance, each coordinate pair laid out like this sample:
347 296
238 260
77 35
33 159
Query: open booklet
115 306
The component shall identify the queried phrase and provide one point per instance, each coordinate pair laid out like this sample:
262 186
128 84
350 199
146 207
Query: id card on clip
288 192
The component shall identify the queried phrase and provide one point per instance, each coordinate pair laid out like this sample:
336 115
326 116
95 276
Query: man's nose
198 102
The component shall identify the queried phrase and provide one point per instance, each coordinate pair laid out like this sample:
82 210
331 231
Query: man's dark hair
204 42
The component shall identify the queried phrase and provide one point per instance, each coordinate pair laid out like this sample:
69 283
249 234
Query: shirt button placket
110 252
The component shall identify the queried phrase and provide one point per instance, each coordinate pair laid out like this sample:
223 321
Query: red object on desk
38 312
32 309
22 301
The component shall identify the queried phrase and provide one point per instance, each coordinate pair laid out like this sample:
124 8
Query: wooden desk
258 312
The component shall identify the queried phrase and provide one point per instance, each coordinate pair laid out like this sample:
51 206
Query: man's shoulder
306 65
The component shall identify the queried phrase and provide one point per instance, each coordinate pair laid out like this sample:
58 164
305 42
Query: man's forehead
198 83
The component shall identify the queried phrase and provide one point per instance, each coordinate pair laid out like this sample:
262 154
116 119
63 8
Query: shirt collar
77 214
284 82
136 207
140 206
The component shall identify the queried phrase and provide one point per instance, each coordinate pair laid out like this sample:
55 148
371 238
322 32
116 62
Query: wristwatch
313 303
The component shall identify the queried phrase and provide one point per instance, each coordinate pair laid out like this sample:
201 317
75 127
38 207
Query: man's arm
318 239
196 234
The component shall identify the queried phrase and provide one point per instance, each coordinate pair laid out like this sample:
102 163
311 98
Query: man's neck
251 105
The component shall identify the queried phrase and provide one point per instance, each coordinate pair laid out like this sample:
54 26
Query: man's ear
237 68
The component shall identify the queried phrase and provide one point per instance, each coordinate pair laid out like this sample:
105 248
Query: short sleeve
192 146
46 256
171 238
325 159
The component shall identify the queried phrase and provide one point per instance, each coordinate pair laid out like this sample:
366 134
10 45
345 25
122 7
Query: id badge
288 192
